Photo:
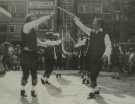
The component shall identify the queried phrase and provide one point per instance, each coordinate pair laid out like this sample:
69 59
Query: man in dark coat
29 54
58 59
49 57
98 49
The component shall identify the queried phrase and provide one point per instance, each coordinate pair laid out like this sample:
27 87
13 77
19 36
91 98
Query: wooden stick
67 12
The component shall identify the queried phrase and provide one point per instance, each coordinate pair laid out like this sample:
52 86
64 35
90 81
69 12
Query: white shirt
131 57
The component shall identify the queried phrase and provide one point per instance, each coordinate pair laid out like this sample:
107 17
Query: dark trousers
29 67
5 62
93 74
49 65
82 63
58 62
93 66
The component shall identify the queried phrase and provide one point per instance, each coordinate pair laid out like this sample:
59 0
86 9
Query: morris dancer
29 54
49 56
58 57
99 48
83 50
115 60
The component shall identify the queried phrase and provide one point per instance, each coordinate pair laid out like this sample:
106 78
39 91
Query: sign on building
41 4
85 8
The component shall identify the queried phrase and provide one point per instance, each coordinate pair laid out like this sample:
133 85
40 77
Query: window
12 28
3 27
12 9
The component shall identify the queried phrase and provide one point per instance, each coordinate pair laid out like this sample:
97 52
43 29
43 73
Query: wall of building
19 9
13 26
88 9
119 15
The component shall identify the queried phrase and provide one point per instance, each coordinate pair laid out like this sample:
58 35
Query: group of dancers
99 48
95 49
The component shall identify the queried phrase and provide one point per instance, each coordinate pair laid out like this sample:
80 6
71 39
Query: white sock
33 88
23 88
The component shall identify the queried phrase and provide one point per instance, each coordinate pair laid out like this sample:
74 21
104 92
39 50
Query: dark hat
28 17
6 43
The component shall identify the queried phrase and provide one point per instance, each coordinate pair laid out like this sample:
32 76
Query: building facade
118 14
44 7
88 9
10 29
14 25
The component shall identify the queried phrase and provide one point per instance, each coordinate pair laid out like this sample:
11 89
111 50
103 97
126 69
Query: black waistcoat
96 45
30 40
49 53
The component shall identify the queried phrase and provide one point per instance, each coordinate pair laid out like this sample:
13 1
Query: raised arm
42 19
83 27
34 24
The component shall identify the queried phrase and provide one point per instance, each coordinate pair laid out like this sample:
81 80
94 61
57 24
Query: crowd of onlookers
122 59
10 56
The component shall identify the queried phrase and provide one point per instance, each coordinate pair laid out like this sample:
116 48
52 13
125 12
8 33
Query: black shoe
42 81
87 82
118 77
83 81
97 92
47 82
33 94
23 94
82 76
57 75
3 72
91 95
113 77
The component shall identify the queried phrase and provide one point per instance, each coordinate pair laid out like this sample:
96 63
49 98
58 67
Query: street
67 90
